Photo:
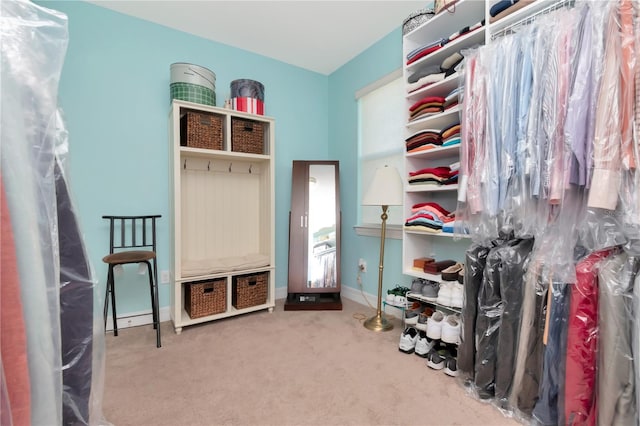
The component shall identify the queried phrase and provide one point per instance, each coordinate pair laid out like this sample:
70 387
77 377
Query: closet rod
511 28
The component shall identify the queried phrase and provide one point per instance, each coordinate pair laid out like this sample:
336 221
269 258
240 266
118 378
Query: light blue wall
115 96
376 62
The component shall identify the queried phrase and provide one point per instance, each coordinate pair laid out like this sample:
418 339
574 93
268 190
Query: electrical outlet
164 277
362 265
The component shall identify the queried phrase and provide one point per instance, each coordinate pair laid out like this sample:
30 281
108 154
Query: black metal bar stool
128 237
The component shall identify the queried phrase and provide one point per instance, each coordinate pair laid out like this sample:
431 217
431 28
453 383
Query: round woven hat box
193 83
416 19
245 88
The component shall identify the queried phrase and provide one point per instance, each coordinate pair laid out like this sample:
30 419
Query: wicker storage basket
201 130
247 136
250 290
202 298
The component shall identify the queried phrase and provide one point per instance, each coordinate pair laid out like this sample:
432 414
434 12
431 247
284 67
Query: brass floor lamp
384 190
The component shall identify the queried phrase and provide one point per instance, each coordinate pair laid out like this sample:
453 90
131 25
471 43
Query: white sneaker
434 325
424 344
444 295
457 293
408 340
451 329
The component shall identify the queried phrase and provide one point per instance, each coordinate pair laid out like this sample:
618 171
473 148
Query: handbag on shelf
448 5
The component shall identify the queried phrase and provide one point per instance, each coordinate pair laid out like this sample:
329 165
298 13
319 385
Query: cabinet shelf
441 88
431 188
421 298
223 211
464 42
525 12
437 234
186 320
437 121
220 154
465 12
419 243
436 153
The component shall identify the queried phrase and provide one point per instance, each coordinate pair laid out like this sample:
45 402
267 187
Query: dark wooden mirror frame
317 293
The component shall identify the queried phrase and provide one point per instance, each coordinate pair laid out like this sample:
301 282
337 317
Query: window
381 118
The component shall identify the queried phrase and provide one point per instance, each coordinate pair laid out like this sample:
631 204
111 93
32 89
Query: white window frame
369 228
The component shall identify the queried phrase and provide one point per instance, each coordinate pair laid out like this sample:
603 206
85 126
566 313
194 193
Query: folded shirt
436 206
426 52
423 71
425 81
427 100
420 49
442 171
447 132
452 142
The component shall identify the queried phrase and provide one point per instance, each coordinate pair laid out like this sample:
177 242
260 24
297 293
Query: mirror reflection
321 271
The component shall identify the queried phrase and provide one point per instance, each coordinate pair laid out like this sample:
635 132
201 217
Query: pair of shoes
417 284
423 318
434 325
450 294
451 273
396 300
436 359
451 330
412 313
451 367
444 358
408 340
446 328
398 291
424 344
430 290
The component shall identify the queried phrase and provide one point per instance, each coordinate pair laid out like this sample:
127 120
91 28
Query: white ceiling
319 36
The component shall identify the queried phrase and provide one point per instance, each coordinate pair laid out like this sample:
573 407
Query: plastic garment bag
582 343
53 345
33 46
475 261
615 377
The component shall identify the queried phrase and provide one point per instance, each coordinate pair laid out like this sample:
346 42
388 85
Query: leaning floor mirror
314 237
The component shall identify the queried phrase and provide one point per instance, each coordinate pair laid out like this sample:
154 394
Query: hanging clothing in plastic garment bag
582 343
615 380
549 404
475 261
515 260
528 368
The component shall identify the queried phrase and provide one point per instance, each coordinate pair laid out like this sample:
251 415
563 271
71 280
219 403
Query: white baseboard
281 292
136 319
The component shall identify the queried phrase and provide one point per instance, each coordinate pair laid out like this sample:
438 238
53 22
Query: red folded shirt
436 206
438 171
426 100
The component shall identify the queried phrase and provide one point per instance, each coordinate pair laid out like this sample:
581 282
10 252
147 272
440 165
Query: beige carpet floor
280 368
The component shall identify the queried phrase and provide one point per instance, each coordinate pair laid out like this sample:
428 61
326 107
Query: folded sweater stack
428 217
429 105
434 176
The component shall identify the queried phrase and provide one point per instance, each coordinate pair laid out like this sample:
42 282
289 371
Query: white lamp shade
385 189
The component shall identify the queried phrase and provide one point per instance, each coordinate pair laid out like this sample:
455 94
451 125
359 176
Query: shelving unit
222 224
421 298
418 244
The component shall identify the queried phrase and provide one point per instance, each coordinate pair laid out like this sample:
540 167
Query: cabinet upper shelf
467 41
464 12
